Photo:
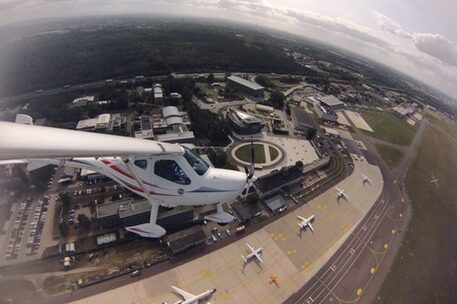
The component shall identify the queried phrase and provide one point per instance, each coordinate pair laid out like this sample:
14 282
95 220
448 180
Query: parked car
135 273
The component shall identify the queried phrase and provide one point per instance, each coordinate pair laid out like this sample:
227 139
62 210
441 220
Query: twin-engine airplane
365 179
190 298
255 252
165 174
306 222
341 193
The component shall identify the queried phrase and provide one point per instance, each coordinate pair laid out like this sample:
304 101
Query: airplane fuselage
170 180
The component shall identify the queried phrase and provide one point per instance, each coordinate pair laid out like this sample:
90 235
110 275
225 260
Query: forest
81 56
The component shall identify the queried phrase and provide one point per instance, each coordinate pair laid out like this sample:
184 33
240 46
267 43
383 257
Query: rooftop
277 179
246 83
276 202
111 208
331 100
301 118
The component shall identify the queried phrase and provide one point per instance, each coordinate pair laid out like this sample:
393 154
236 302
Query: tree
218 158
63 229
210 78
310 133
66 199
299 164
252 198
277 99
83 220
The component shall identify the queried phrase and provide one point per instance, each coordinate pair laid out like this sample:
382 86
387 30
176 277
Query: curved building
243 123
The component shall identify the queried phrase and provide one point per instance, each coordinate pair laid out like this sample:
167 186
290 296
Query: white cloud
437 46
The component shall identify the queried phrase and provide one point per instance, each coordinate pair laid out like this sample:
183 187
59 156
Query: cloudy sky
418 37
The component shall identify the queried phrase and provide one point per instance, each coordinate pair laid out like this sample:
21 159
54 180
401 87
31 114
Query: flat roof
184 239
276 202
301 118
331 100
131 207
277 179
111 208
87 123
331 131
245 82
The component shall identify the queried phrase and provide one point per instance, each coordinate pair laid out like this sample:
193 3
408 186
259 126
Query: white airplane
190 298
305 222
254 253
165 174
365 179
341 193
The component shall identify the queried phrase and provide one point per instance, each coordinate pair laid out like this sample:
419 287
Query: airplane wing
257 255
13 162
310 227
186 295
19 141
300 218
252 249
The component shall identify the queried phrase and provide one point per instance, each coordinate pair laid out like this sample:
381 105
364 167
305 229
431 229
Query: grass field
425 270
274 153
390 128
390 155
244 153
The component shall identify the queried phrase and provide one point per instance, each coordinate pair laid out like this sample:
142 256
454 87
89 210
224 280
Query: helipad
293 257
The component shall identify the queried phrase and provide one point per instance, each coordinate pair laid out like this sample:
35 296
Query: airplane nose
229 180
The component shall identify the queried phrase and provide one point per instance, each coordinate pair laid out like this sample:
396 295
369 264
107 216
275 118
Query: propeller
250 178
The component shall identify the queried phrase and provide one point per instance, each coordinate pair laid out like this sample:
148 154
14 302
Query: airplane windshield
198 164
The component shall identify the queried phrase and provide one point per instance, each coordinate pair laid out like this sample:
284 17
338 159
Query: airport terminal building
246 86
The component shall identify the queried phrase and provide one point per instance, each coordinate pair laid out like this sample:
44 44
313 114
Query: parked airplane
341 193
365 179
190 298
165 174
306 222
254 253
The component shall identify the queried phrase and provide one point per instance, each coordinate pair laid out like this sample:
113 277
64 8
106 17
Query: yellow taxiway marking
207 274
345 227
222 296
372 270
386 245
393 231
293 251
307 267
359 292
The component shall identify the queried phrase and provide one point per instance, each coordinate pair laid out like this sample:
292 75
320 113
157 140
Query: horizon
427 53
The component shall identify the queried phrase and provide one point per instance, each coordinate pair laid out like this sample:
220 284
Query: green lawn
390 128
274 153
244 153
425 269
390 155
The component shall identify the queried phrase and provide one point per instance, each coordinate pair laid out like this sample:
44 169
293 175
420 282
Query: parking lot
23 232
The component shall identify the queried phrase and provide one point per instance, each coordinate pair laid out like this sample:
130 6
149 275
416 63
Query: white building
103 122
158 93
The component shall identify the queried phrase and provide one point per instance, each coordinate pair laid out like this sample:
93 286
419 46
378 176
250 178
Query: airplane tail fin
244 258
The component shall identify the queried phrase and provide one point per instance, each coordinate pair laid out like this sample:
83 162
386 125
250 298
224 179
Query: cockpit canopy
198 164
